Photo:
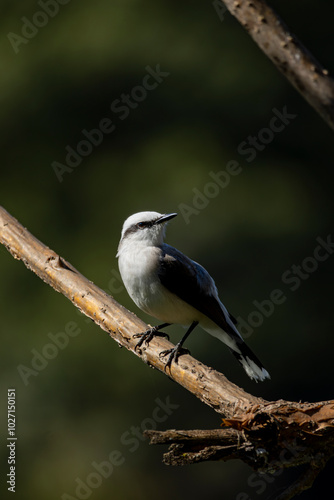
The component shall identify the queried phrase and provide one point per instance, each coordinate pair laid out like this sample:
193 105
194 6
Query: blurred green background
89 403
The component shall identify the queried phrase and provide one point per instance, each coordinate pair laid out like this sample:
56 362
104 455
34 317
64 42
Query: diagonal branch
210 386
256 431
289 55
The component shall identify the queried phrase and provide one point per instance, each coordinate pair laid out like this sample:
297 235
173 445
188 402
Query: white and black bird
166 284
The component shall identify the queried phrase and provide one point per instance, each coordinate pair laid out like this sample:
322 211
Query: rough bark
266 435
288 54
210 386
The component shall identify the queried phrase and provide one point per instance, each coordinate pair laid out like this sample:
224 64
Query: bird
168 285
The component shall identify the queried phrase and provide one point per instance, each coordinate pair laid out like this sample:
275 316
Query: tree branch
210 386
288 54
266 435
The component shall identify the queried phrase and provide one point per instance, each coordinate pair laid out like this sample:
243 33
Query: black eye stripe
143 224
136 227
139 226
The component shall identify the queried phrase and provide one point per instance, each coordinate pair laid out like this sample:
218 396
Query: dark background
88 400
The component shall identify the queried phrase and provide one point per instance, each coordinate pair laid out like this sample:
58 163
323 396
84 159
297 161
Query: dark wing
193 284
232 318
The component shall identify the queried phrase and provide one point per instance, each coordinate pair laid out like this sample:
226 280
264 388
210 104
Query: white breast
139 271
138 268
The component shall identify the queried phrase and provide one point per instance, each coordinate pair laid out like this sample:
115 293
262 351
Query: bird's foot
173 354
148 336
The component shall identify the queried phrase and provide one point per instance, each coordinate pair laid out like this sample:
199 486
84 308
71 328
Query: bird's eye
141 225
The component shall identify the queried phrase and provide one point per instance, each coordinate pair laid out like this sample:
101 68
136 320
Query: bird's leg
178 349
149 334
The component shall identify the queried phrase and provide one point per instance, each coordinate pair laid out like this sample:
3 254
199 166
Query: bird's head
144 227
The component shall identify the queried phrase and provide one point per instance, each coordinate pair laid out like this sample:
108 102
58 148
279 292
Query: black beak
165 218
